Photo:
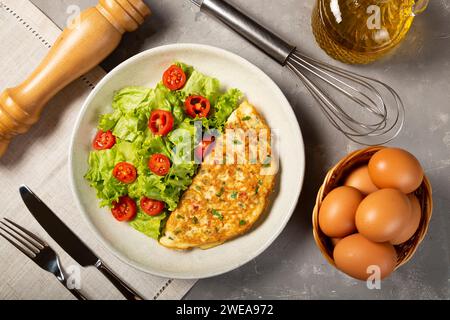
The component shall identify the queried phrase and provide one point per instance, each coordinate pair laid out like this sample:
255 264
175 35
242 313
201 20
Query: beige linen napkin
40 160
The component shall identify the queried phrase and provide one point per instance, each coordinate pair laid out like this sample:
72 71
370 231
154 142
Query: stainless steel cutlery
70 242
41 253
37 250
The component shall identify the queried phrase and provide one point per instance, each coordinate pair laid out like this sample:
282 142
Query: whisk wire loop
363 93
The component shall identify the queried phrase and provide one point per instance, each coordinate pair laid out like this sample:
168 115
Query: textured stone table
293 268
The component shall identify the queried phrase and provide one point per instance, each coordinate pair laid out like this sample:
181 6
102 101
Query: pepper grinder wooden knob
78 50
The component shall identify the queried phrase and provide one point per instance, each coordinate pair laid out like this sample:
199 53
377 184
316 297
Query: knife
70 242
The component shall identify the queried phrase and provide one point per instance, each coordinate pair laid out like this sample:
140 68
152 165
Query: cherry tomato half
159 164
174 78
152 207
161 122
125 172
125 209
197 106
204 148
104 140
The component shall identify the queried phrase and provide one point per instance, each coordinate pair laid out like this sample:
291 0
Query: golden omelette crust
224 200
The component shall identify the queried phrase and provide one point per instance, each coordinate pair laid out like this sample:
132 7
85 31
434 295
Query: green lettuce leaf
186 69
225 106
130 126
109 121
156 144
131 98
150 226
162 98
184 139
101 165
199 84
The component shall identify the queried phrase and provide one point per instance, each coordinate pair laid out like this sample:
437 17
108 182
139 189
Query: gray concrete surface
293 268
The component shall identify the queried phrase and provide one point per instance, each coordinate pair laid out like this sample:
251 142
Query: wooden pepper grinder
77 50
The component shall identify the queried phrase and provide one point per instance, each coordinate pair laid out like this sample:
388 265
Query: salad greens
135 143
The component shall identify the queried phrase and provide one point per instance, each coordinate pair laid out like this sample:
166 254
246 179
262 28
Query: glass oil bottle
362 31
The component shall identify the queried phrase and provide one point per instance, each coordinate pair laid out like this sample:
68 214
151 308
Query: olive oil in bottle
361 31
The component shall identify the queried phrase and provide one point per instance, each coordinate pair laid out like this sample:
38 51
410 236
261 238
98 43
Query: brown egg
337 212
354 254
395 168
383 215
413 222
360 180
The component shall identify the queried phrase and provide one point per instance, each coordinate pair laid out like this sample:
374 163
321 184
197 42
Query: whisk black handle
261 37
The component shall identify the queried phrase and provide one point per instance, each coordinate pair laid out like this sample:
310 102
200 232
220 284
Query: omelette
232 188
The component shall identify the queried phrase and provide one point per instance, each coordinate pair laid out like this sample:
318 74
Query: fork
37 250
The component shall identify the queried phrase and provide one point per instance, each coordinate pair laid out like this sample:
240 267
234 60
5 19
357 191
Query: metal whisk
367 111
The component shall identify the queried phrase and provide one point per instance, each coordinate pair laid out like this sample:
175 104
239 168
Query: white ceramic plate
144 253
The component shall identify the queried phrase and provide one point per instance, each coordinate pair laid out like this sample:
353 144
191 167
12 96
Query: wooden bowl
336 177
